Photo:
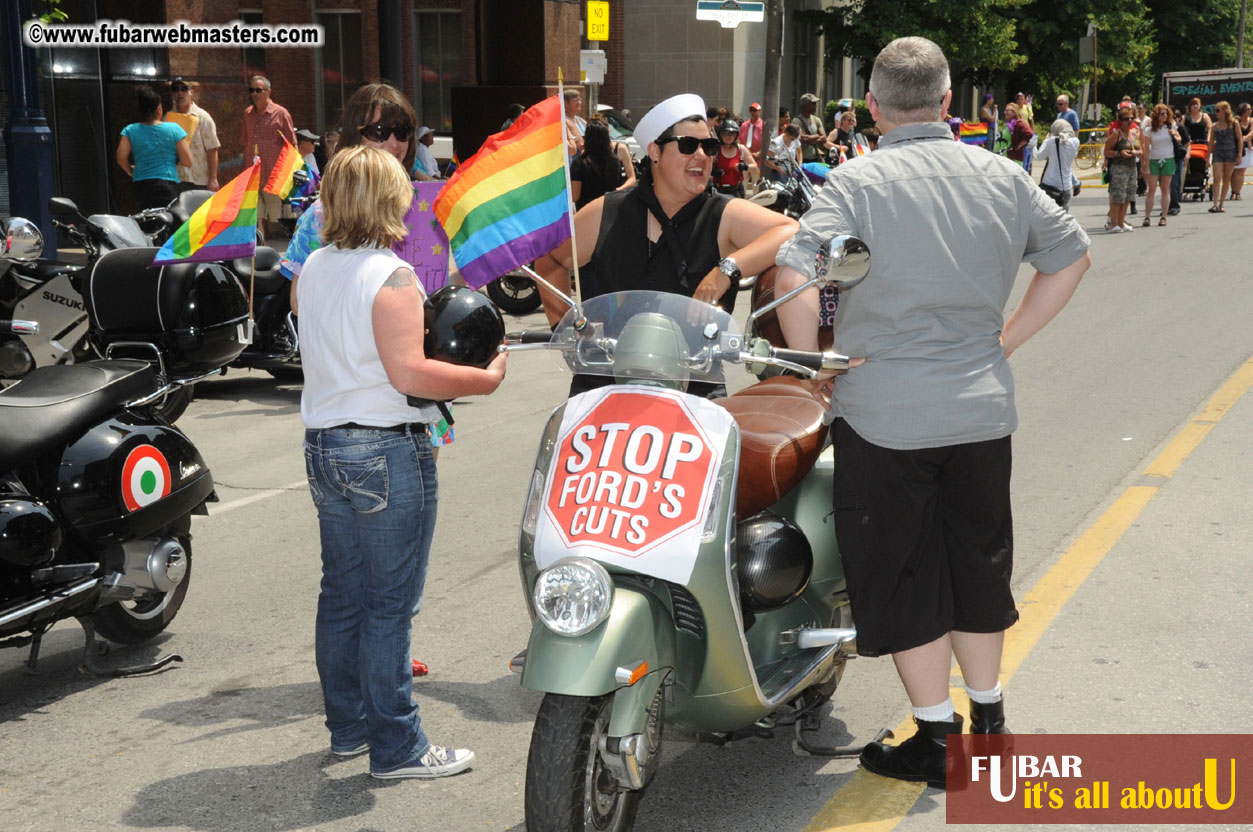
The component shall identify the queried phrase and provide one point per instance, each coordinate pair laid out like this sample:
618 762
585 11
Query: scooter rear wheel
568 788
134 622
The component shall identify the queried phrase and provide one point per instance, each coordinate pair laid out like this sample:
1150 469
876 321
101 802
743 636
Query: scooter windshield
121 232
648 337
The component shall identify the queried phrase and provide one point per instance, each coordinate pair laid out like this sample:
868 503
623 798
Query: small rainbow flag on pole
288 162
974 132
223 228
509 204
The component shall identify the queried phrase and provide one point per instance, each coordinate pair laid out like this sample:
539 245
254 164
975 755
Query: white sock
936 713
984 697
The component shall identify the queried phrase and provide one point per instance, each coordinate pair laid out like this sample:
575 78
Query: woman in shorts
1159 162
1122 150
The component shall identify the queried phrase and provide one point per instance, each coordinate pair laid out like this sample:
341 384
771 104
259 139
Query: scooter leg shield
631 704
639 629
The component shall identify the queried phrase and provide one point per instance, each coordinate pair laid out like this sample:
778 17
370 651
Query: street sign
1087 50
597 20
731 13
592 66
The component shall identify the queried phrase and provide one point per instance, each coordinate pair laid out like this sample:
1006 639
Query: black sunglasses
380 132
688 144
256 90
180 88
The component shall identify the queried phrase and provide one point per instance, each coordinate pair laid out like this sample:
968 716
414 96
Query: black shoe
1172 212
988 718
1132 209
921 757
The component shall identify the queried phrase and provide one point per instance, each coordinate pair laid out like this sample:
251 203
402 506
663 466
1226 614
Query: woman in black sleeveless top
670 233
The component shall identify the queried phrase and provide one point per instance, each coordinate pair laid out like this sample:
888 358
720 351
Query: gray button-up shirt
947 225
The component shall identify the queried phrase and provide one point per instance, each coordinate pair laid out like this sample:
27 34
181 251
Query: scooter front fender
639 629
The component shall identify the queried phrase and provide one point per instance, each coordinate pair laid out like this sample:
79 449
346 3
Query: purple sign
426 247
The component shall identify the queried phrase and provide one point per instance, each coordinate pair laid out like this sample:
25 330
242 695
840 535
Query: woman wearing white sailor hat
671 232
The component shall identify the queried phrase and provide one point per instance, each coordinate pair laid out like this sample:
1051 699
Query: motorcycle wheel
137 621
568 788
515 295
175 402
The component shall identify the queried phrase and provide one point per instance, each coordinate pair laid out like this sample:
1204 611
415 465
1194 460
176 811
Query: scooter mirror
62 207
844 262
23 241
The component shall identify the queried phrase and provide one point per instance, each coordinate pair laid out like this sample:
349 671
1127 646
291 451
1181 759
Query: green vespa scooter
673 550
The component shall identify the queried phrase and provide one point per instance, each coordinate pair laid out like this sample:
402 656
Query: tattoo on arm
400 279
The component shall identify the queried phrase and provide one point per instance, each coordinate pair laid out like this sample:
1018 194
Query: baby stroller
1196 172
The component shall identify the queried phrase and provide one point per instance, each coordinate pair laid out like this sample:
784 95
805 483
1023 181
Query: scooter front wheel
568 788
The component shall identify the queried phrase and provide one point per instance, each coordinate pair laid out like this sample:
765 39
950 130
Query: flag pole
574 240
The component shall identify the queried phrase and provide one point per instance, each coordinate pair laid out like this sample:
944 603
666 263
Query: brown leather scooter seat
781 436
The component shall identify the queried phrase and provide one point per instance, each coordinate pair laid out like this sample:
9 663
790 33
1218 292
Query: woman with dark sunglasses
378 116
671 232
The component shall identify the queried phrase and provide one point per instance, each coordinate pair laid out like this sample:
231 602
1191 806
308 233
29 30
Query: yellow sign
597 20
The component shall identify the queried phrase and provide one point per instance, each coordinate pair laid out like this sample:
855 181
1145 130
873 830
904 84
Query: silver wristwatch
730 268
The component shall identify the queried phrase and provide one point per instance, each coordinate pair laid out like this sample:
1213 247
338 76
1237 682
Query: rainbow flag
289 161
223 228
508 203
974 132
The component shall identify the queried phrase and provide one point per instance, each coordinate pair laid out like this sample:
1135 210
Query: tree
977 36
1201 35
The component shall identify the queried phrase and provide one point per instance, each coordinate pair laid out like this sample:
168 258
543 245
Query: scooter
97 488
673 550
275 347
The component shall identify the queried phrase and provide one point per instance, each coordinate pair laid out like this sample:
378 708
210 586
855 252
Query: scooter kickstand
809 724
95 646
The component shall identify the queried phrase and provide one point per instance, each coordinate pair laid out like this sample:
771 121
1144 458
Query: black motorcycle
274 346
791 197
97 488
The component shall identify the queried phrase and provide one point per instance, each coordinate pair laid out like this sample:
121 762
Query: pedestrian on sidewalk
266 127
204 142
1225 142
923 422
158 148
1181 149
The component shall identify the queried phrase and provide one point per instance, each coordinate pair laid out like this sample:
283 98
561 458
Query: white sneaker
1117 229
1108 223
1126 226
436 762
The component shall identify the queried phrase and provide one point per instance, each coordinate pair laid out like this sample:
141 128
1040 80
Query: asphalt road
1155 639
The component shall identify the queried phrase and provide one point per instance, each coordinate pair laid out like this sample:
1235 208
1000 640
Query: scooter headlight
573 596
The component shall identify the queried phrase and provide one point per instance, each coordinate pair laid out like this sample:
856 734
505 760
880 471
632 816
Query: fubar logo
1091 778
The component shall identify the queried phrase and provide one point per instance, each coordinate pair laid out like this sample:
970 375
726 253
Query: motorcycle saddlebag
195 313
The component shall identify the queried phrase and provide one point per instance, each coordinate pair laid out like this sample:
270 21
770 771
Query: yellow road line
869 803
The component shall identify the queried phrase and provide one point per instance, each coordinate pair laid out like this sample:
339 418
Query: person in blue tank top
157 147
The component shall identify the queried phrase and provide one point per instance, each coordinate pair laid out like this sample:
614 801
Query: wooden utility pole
1244 5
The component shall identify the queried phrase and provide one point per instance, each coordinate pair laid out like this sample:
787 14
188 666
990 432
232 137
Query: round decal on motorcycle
145 477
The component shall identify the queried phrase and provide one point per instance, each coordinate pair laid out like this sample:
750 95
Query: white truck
1211 86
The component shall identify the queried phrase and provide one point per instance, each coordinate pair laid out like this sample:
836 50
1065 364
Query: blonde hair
365 197
1222 108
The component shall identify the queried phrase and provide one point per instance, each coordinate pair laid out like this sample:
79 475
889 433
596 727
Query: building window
339 64
254 56
437 66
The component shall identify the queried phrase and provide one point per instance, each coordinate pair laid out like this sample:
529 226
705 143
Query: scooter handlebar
530 336
830 362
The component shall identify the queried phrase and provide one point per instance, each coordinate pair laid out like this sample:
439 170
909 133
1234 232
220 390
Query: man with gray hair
266 127
922 421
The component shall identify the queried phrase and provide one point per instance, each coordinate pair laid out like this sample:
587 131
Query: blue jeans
1027 153
376 497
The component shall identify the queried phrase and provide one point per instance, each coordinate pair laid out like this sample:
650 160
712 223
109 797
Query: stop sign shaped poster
631 478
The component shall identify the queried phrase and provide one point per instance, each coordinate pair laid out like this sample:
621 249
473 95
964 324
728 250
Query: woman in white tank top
369 461
1158 165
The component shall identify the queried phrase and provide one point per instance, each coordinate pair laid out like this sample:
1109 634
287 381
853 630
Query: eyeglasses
688 144
180 88
256 90
380 132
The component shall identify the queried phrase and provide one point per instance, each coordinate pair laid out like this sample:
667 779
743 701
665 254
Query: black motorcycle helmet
729 125
462 327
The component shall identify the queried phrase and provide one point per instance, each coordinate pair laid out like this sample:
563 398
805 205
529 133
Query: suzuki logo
64 301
